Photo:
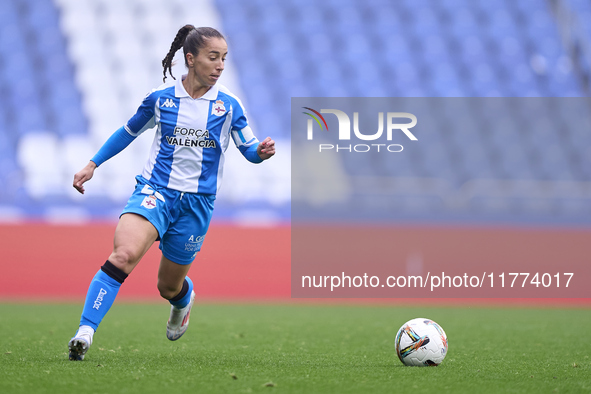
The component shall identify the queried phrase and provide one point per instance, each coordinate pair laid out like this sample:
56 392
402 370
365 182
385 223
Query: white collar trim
180 90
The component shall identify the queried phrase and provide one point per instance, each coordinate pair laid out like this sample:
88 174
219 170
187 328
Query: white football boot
79 345
179 320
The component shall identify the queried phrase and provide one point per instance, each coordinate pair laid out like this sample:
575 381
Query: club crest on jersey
218 108
149 202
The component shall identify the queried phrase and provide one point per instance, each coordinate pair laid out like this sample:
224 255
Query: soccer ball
421 342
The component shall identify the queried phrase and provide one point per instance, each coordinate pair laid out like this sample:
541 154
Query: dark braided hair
191 39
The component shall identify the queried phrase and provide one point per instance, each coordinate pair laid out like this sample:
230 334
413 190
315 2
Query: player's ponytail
177 44
190 39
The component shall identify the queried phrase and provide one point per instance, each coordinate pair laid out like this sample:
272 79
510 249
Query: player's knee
168 290
123 259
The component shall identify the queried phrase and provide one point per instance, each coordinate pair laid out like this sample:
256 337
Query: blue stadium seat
30 118
50 42
271 19
71 122
6 138
484 80
414 5
447 87
563 85
526 7
8 11
472 49
426 23
502 20
526 86
463 23
40 14
387 22
234 19
579 5
57 69
435 50
573 206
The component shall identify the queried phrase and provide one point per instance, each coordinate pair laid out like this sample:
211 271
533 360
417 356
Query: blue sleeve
115 144
239 120
144 118
251 154
242 134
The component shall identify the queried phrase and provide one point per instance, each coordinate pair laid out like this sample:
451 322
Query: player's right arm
143 119
84 175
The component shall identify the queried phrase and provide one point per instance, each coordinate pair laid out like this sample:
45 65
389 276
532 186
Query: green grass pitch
294 349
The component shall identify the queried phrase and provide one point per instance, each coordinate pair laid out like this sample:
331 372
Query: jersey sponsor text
191 143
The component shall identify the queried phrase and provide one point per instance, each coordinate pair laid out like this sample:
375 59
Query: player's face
209 62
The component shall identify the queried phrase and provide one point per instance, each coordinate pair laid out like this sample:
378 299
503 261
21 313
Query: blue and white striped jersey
191 137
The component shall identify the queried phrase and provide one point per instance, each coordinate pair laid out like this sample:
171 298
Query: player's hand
266 148
84 175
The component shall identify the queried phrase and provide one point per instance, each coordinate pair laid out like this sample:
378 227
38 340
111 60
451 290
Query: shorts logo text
194 243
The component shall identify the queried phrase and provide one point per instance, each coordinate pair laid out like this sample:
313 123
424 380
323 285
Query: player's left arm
266 148
245 140
250 147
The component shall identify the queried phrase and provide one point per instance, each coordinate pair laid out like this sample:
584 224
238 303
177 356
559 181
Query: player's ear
190 59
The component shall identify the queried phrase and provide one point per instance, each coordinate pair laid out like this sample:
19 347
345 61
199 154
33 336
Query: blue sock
185 298
101 294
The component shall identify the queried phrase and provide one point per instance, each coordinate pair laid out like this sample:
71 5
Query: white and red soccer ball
421 342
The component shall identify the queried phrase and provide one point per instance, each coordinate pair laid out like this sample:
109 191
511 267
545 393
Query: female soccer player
195 117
